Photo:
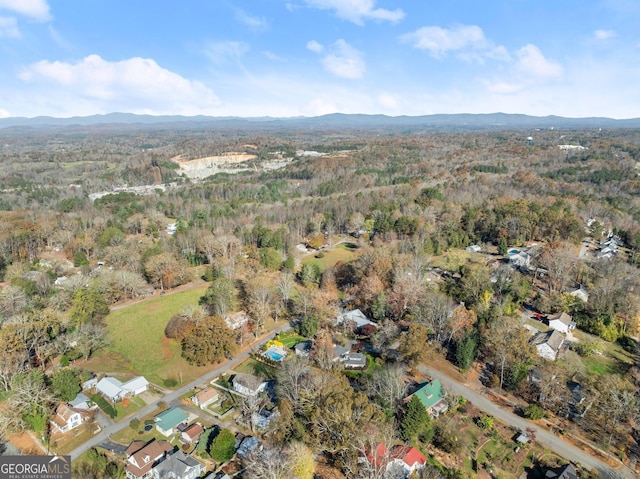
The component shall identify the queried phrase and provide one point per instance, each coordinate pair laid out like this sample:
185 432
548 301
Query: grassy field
137 343
613 360
344 252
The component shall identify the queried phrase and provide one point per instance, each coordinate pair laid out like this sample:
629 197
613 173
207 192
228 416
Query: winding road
543 437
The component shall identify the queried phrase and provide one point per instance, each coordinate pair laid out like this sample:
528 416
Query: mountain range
462 121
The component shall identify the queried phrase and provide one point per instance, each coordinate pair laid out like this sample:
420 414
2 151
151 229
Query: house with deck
432 396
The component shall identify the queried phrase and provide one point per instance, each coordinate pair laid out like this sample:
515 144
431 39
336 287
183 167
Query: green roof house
167 421
431 395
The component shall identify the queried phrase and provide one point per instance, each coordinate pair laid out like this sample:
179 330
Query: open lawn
613 360
251 366
137 343
453 259
344 252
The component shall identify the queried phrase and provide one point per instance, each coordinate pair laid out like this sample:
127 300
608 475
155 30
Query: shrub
134 423
534 412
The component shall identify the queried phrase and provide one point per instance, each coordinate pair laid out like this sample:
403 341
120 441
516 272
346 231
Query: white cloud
4 113
318 107
273 56
503 88
357 11
344 61
255 23
136 85
388 102
223 52
314 46
467 41
532 62
604 34
9 27
35 9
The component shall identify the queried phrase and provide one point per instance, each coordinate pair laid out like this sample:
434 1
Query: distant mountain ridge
334 120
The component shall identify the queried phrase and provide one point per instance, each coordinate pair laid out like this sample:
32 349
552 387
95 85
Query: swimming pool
270 353
513 251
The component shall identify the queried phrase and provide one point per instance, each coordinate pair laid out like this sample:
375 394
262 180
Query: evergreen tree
88 306
416 423
465 351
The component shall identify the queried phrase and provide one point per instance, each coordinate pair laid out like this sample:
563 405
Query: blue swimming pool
273 355
513 251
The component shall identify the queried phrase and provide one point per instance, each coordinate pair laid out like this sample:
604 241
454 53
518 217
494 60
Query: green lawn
137 343
613 360
133 404
344 252
251 366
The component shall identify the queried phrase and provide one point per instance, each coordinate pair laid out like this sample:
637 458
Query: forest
77 238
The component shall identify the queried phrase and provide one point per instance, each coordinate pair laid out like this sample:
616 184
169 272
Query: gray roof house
178 466
548 343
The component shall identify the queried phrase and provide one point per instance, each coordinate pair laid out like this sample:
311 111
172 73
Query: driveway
545 438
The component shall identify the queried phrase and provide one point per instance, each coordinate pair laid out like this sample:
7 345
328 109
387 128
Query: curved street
545 438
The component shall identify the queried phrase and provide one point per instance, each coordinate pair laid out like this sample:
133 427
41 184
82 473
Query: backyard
343 252
137 343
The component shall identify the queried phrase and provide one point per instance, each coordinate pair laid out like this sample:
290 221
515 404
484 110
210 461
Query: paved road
545 438
110 429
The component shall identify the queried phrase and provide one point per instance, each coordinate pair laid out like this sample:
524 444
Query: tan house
192 433
205 397
143 456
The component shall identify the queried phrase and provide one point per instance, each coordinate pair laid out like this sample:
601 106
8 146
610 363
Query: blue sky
286 58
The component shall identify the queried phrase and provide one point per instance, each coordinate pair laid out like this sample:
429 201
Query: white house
561 322
355 317
236 320
580 292
548 343
205 397
114 390
248 384
68 418
110 388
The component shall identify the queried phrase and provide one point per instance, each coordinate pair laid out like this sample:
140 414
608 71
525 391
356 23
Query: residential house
168 421
401 461
303 349
192 433
143 456
432 397
205 397
114 390
354 361
82 402
474 248
409 458
262 419
548 343
561 322
236 320
580 292
521 260
567 472
246 445
248 384
178 466
68 418
354 319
